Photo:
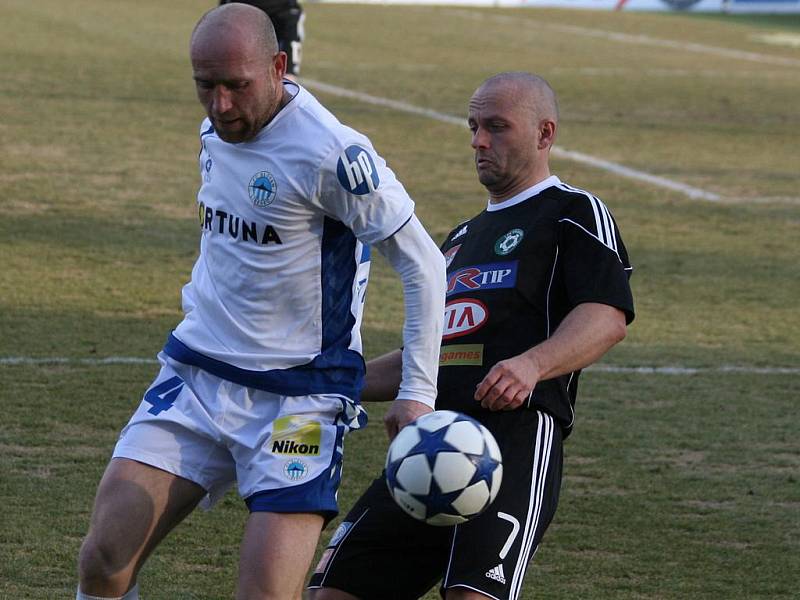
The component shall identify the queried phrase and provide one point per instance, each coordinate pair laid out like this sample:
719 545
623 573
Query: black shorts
381 553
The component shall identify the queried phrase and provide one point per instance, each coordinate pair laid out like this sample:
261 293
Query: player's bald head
235 27
526 91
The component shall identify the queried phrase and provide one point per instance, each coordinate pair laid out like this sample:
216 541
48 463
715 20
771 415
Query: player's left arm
421 267
587 332
356 187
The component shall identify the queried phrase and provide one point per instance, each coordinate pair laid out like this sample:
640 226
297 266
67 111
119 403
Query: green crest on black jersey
506 243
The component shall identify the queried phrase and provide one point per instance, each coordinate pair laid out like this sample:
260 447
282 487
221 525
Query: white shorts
285 452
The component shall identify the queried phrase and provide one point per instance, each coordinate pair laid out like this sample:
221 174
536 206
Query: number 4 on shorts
162 396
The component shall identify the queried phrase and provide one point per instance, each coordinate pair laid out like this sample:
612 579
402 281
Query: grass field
676 486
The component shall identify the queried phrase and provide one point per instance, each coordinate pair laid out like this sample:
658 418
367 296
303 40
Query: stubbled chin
233 137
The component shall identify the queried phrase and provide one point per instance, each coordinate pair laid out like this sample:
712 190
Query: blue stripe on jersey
346 378
207 131
338 272
337 369
365 253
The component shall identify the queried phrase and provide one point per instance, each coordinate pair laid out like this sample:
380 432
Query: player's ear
279 64
547 133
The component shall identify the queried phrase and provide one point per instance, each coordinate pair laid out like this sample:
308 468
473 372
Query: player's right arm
382 381
382 384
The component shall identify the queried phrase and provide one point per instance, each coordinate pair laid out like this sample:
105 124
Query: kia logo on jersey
463 316
483 277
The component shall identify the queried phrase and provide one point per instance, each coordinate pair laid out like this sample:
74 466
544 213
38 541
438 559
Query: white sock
132 594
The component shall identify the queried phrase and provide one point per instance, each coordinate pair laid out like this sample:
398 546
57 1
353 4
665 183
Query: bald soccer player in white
261 380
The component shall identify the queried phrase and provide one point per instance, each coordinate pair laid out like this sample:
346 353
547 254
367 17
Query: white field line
579 157
599 368
628 38
61 360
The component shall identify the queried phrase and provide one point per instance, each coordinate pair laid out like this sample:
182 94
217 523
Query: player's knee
103 561
329 594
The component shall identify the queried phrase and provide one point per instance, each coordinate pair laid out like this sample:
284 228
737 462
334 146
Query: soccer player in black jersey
288 18
537 290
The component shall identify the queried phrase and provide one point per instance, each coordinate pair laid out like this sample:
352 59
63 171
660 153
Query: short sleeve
594 258
356 187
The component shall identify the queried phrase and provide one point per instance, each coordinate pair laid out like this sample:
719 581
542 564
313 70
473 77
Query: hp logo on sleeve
356 171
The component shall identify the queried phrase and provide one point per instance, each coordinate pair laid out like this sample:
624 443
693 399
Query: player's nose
480 138
221 100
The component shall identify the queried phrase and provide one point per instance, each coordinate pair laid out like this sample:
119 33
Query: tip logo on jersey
356 171
483 277
262 189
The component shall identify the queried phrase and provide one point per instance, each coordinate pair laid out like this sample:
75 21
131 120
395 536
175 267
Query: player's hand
508 384
401 413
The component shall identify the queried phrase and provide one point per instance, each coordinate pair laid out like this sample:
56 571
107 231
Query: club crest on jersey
356 171
506 243
207 169
449 255
483 277
262 189
295 470
463 316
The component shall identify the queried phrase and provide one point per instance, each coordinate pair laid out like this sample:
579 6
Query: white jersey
276 296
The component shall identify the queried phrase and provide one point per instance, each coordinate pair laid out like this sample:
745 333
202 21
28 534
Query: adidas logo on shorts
497 574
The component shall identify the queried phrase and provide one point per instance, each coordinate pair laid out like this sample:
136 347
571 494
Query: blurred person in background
288 19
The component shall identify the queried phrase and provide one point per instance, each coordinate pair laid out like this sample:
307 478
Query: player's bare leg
276 553
135 507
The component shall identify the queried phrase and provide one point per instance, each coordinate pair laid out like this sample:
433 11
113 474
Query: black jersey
514 272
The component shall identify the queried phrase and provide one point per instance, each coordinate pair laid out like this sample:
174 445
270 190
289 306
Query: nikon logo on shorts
461 354
292 447
296 436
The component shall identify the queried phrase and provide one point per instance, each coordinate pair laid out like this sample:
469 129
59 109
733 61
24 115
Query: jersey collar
524 194
297 93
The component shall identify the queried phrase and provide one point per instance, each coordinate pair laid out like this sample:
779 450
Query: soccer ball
444 468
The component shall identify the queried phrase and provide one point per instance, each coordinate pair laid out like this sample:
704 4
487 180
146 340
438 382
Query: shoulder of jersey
330 137
585 210
206 128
